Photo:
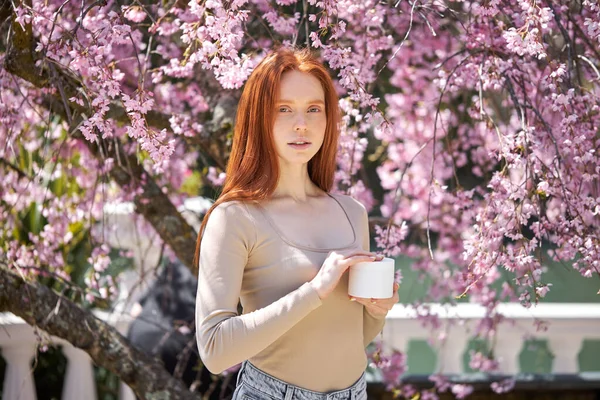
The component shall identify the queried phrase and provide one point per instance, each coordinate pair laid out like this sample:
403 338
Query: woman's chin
298 160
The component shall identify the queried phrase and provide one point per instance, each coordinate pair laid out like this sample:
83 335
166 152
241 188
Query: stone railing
568 325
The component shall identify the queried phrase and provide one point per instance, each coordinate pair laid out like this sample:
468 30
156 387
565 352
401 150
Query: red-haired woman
278 241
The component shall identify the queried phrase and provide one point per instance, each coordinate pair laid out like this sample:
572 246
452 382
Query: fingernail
373 301
352 299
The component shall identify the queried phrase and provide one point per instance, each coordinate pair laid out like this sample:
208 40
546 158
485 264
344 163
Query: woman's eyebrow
321 102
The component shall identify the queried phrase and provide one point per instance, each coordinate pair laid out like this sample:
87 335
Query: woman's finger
361 253
356 259
388 304
382 307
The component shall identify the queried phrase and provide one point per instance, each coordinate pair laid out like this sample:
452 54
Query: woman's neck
295 184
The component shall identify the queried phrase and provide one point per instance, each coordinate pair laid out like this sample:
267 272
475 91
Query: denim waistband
259 380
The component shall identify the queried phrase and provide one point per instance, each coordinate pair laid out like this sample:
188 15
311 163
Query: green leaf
192 184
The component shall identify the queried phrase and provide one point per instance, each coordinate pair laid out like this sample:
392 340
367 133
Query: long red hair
253 168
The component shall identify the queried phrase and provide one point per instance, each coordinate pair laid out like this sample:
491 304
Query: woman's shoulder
232 219
349 203
231 211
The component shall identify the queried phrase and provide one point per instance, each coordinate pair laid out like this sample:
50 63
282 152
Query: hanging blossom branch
150 201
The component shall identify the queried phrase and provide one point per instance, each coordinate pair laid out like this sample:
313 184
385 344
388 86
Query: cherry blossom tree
470 132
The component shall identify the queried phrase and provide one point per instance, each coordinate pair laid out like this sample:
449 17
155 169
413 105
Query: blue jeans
254 384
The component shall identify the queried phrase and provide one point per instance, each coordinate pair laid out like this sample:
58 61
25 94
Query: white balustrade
569 324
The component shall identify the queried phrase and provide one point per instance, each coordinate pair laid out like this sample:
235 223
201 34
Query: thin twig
20 172
591 64
84 13
437 113
567 38
305 6
412 12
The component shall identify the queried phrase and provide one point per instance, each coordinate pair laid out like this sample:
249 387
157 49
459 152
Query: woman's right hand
334 266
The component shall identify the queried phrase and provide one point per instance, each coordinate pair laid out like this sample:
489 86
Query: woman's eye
284 109
314 109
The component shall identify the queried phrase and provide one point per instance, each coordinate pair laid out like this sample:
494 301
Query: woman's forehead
300 86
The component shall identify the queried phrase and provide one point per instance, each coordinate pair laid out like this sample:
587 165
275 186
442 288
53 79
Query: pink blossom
503 386
542 290
461 391
216 179
134 13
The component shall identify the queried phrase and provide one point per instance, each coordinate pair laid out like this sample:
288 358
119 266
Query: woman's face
300 119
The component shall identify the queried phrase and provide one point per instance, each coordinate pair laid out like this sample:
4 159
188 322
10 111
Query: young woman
278 241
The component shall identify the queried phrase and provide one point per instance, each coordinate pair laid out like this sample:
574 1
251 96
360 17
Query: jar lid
383 264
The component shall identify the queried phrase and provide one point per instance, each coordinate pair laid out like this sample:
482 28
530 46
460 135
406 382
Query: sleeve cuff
310 294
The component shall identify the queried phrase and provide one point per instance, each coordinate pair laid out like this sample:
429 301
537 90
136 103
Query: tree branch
40 306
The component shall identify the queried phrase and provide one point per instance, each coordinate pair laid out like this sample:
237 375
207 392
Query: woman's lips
299 146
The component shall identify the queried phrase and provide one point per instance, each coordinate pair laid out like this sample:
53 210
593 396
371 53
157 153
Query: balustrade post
565 349
125 392
507 350
450 358
18 380
79 378
399 342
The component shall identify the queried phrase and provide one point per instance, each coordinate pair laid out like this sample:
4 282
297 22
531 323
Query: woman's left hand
378 308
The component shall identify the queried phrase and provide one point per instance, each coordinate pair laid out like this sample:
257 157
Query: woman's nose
300 124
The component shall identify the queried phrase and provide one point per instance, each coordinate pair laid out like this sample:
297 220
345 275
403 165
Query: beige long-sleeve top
285 329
